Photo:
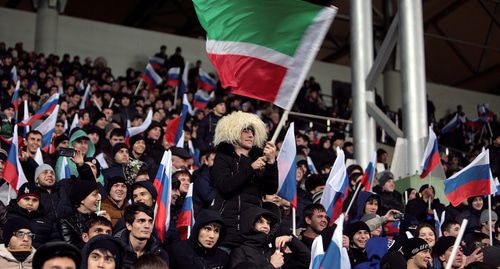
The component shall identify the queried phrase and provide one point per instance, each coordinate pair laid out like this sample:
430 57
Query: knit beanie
81 189
413 246
134 140
484 216
117 148
442 245
56 249
112 181
42 168
355 227
13 225
384 177
59 139
107 242
148 186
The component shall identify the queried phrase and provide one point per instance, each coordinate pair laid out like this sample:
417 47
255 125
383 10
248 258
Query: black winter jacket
152 247
39 224
190 254
72 227
239 187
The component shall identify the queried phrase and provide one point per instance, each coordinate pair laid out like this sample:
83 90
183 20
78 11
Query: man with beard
114 204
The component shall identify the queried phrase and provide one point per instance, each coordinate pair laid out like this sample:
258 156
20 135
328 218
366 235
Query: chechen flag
336 188
47 129
150 77
13 172
173 76
263 49
186 217
336 256
47 108
431 158
287 168
163 186
369 175
473 180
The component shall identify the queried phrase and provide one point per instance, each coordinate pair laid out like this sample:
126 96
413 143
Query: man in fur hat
244 169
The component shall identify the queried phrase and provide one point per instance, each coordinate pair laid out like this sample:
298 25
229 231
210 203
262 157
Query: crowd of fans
102 215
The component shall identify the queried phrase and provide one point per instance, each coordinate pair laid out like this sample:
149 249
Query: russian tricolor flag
85 97
336 256
65 171
336 188
454 123
13 74
131 131
185 222
47 108
150 77
176 126
201 99
47 129
287 168
13 172
431 158
15 96
205 82
156 62
473 180
163 185
317 252
369 175
173 76
310 166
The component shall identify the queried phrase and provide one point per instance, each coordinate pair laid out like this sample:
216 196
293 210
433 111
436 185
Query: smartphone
67 152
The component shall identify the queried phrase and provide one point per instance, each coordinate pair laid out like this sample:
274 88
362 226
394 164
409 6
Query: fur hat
229 128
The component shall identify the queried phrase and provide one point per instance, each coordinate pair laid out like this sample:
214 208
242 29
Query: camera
67 152
400 216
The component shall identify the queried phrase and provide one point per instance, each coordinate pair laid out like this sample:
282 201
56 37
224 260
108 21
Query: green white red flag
263 49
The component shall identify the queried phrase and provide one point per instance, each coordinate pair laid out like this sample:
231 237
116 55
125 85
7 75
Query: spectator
179 158
115 204
148 261
97 225
450 228
241 174
17 251
359 234
27 154
442 253
417 253
57 255
206 127
103 251
316 222
428 233
390 198
138 237
485 223
200 250
473 214
27 207
203 192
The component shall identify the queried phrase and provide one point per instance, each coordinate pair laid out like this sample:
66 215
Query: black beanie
148 186
81 189
59 139
112 181
413 246
107 242
357 226
134 139
28 189
51 250
117 148
442 245
13 225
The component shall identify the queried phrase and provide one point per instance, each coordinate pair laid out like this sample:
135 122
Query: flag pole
406 197
111 102
188 231
352 199
8 193
489 218
139 86
294 222
175 96
284 117
456 244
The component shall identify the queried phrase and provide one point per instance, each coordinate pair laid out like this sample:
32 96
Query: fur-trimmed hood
229 128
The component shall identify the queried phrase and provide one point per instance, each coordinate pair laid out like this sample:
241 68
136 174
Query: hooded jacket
239 187
72 166
39 224
360 205
473 215
190 254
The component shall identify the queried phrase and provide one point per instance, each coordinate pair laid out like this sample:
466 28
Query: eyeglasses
21 235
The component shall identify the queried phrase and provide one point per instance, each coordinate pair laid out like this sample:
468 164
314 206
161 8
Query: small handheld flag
287 168
163 186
